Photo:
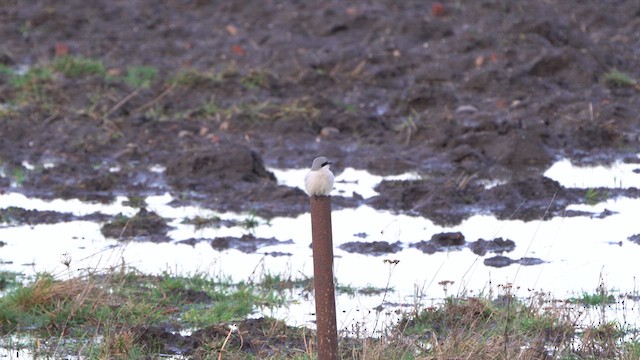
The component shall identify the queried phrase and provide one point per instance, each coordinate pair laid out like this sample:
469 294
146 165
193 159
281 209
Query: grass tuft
194 78
76 67
616 78
593 196
596 299
121 314
140 76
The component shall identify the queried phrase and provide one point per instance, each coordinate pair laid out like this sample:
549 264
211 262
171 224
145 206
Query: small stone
328 131
466 109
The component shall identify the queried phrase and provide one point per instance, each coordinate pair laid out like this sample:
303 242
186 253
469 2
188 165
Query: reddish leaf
62 49
437 9
237 50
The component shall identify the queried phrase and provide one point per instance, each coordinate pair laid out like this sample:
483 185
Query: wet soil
442 242
499 261
635 238
143 226
375 248
246 243
261 337
497 245
19 216
487 90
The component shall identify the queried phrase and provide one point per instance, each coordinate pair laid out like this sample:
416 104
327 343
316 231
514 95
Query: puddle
349 181
618 175
17 347
577 251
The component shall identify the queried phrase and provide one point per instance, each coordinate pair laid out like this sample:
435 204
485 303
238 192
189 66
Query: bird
319 180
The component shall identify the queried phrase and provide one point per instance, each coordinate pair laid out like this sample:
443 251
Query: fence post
322 243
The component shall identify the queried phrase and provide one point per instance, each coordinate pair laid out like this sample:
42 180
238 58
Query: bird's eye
325 163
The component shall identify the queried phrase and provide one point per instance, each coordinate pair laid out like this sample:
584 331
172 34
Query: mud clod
144 226
497 245
441 242
375 248
247 243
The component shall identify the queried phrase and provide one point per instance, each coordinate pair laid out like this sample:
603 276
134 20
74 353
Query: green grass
71 66
116 305
256 79
194 78
252 111
281 283
77 67
203 221
210 108
408 126
37 87
252 221
9 280
32 77
5 70
31 86
233 307
19 175
479 327
632 348
349 108
595 299
140 76
296 109
368 290
616 78
105 314
593 196
134 201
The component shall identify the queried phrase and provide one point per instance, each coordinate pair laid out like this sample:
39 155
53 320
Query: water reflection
579 252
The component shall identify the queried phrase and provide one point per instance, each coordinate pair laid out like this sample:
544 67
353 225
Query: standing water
578 253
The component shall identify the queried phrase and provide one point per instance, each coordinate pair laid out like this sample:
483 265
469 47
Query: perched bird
319 180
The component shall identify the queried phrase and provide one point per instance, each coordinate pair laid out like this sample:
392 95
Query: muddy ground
470 92
473 91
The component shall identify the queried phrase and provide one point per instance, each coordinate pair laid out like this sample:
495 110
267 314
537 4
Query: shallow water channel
579 253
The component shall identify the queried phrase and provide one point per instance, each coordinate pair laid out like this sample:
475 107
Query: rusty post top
327 333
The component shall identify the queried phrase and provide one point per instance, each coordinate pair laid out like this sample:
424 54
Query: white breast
319 182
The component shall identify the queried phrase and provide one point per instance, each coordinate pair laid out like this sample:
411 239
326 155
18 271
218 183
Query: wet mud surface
487 91
261 337
375 248
446 242
499 261
246 243
143 226
19 216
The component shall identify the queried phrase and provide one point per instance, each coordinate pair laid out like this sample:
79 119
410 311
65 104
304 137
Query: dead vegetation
124 314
